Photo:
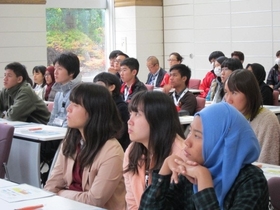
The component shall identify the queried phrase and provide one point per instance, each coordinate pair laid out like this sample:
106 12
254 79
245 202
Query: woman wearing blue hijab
220 148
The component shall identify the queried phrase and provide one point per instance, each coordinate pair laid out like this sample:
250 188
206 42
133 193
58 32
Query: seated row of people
79 173
91 115
213 77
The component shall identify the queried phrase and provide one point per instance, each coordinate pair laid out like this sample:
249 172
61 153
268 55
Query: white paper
22 192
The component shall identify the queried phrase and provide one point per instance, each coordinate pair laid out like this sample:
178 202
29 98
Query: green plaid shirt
249 191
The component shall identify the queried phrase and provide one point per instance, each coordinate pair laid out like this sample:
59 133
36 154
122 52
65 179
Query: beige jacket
102 182
135 183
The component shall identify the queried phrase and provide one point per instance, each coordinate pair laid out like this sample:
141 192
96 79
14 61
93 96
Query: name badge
58 122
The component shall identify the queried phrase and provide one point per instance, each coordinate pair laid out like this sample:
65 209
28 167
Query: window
80 29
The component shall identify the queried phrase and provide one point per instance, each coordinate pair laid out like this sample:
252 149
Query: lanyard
126 93
181 96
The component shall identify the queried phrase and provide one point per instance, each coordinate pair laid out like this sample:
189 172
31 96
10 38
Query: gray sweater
61 101
20 103
267 129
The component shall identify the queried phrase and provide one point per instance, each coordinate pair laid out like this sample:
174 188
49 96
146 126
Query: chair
275 97
6 137
200 103
149 87
274 192
194 83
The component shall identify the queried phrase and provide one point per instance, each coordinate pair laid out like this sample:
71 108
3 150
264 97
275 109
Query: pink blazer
102 182
135 183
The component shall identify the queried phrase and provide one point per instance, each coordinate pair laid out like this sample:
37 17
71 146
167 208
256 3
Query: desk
185 120
269 170
24 160
50 203
274 109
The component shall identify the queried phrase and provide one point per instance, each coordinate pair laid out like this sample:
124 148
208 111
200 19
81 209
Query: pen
34 129
31 207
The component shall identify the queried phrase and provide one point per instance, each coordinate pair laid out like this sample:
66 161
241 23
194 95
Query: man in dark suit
157 77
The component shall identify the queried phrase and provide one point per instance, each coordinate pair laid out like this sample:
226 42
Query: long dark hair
109 79
162 116
103 122
42 70
20 71
244 81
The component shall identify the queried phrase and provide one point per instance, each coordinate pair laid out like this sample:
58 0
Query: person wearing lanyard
180 75
131 84
157 77
67 76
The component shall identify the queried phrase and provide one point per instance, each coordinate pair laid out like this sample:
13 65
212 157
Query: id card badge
58 121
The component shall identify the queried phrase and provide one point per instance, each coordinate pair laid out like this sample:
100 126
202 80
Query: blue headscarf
229 143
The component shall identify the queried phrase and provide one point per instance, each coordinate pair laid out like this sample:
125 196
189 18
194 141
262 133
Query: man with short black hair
131 84
206 82
238 55
180 75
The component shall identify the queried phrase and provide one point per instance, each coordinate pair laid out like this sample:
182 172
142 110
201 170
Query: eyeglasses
171 60
47 75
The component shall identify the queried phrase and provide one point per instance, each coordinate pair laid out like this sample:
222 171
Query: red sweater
206 83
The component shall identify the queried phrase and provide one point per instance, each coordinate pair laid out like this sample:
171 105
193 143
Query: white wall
23 36
139 33
199 27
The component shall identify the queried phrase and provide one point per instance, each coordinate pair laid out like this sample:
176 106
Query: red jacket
206 83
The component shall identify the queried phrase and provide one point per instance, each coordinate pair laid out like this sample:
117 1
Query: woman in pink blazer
155 131
89 164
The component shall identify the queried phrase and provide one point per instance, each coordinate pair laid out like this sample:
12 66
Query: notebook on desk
22 192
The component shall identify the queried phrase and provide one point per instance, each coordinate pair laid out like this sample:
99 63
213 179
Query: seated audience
157 77
18 102
238 55
175 58
113 85
112 57
228 66
273 76
117 64
131 83
49 76
156 133
39 85
89 165
218 173
260 74
216 82
67 76
242 91
206 81
183 99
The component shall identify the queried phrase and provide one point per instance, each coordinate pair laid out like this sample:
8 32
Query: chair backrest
6 137
200 103
275 97
274 192
149 87
194 83
50 106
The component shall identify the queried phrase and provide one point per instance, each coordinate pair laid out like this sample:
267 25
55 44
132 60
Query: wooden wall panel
126 3
22 1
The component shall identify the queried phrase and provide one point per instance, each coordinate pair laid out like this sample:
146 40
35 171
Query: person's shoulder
252 172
